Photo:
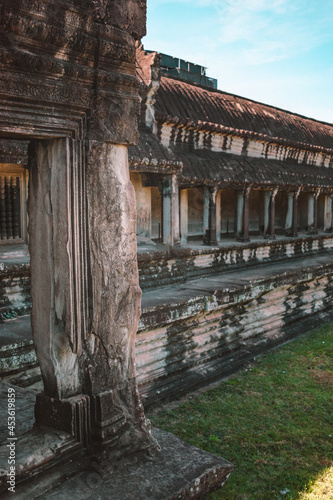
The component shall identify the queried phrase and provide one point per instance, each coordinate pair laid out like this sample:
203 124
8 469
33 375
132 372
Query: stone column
240 211
183 216
170 210
167 210
210 236
315 211
271 226
244 235
205 210
267 199
246 217
311 205
85 292
328 214
289 217
295 212
218 216
109 346
175 211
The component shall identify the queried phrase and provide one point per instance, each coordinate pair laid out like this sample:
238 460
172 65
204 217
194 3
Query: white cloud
272 30
275 51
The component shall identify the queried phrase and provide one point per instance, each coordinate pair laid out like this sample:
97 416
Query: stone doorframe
85 292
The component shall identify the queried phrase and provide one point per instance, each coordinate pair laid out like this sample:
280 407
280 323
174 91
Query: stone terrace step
194 333
178 265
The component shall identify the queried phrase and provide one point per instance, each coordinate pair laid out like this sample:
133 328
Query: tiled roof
183 102
204 167
149 155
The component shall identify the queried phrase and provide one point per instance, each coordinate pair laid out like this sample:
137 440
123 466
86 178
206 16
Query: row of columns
175 216
212 214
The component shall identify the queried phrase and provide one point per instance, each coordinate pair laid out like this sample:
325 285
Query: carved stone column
328 214
244 236
311 205
167 210
210 235
218 216
205 211
109 357
240 212
289 217
313 212
267 199
175 211
170 210
184 215
295 212
270 233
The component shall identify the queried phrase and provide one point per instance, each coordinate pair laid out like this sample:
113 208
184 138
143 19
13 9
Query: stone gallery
124 170
234 225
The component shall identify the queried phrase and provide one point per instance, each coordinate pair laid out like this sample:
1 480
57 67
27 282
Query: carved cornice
153 165
66 71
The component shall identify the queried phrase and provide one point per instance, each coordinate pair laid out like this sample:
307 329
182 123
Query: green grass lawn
273 421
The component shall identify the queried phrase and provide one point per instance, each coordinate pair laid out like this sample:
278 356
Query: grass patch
274 422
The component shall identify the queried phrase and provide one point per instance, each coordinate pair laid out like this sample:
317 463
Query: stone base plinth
177 471
52 463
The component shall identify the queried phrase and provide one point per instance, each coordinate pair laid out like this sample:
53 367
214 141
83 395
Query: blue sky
279 52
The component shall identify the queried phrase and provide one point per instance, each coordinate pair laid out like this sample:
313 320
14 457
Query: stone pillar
85 292
205 210
267 199
328 214
244 235
295 212
210 235
270 232
311 204
246 217
240 211
175 211
167 210
315 212
289 217
218 216
170 210
183 216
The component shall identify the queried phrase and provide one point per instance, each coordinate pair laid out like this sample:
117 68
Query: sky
279 52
